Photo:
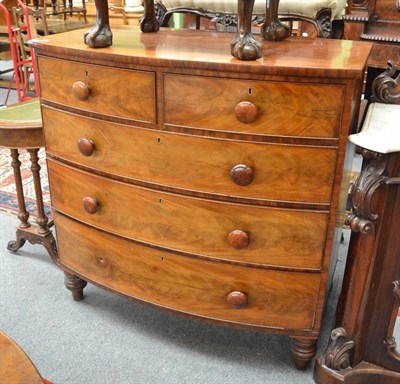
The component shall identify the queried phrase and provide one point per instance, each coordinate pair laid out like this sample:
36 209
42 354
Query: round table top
15 365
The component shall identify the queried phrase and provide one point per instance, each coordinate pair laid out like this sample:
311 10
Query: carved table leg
41 233
75 284
149 22
273 29
303 350
244 46
23 214
100 36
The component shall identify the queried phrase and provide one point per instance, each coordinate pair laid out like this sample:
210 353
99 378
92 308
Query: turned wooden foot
75 284
303 350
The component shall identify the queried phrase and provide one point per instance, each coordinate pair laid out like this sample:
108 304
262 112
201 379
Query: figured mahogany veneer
199 183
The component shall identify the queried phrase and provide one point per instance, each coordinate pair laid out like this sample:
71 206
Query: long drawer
87 87
278 172
259 107
250 234
267 298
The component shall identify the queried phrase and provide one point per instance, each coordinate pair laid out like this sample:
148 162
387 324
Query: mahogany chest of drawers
196 182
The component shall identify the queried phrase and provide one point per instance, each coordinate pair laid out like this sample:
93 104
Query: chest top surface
210 50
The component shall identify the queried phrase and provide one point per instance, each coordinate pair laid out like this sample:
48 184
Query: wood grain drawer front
280 172
277 108
272 298
251 234
88 87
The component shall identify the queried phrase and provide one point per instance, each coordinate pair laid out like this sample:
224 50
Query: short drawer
108 91
224 167
217 291
270 108
245 233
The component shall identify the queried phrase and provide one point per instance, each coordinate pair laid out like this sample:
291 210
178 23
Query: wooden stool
21 127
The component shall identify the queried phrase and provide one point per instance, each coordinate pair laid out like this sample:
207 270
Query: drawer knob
238 239
242 174
90 205
237 300
81 90
86 146
246 112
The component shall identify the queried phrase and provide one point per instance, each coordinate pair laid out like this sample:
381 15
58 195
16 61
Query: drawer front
88 87
278 172
284 109
251 234
198 287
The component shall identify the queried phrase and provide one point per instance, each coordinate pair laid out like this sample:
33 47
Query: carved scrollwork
338 352
371 178
390 342
385 88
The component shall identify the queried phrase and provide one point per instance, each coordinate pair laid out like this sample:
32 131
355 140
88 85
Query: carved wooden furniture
244 46
198 183
15 365
377 21
21 127
322 14
362 348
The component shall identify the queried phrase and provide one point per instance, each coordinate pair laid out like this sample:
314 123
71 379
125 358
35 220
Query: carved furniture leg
149 22
244 46
75 284
23 214
273 29
44 236
100 36
303 350
41 233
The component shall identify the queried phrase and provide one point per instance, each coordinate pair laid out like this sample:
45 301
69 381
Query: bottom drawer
277 299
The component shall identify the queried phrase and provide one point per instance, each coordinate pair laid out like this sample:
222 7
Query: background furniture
204 186
363 348
21 127
377 21
322 14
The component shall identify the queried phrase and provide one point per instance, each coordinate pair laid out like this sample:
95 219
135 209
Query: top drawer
88 87
258 107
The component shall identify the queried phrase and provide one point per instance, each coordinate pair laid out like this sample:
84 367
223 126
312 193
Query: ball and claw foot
275 31
100 36
149 24
246 47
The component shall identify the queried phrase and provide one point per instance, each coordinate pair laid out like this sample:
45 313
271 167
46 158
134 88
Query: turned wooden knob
238 239
81 90
242 174
90 205
237 299
246 112
86 146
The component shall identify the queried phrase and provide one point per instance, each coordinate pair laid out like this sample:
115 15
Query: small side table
15 365
362 349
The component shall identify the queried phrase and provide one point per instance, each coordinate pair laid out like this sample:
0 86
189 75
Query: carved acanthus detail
385 88
338 352
371 178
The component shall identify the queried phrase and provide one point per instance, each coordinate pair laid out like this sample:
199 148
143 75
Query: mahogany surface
15 365
167 195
